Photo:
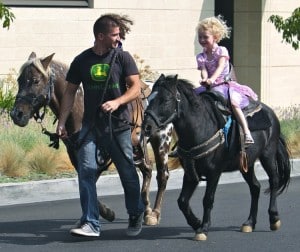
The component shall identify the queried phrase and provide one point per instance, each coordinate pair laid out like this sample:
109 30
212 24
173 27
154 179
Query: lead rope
92 125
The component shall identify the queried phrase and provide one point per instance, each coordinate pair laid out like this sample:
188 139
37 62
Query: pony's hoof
106 213
275 226
200 237
151 220
246 229
109 216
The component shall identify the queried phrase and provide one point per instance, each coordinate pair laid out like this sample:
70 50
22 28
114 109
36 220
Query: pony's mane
187 88
37 63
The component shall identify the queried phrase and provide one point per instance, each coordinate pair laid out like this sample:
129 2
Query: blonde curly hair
216 26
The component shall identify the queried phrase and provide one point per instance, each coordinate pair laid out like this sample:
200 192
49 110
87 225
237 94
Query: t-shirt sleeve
129 65
73 75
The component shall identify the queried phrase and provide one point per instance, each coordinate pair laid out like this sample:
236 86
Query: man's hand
110 106
61 132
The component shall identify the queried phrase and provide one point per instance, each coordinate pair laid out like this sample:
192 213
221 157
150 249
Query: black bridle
39 101
172 117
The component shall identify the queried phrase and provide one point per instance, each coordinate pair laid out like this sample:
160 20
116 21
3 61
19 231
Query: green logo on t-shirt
99 72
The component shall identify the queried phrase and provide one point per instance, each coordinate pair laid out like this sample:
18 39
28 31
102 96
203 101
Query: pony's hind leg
270 168
254 187
104 211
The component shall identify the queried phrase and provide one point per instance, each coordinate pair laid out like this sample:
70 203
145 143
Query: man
110 80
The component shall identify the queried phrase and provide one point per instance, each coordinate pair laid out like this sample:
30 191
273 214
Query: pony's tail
283 164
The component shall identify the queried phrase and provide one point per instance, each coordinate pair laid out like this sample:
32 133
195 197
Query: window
46 3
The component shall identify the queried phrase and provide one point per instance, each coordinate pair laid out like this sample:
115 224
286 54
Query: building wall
262 61
164 36
280 62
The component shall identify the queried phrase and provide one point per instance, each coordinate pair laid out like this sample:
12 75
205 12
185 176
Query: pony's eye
35 81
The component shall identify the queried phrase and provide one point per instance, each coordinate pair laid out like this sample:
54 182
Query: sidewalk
60 189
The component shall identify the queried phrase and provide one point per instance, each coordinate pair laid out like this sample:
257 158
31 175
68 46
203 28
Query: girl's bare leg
243 122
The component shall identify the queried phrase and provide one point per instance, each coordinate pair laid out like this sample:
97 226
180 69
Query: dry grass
12 162
294 145
42 159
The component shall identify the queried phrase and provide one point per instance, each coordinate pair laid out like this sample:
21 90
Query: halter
175 114
35 100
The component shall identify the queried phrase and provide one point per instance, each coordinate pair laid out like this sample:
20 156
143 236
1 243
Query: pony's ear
161 77
46 61
32 56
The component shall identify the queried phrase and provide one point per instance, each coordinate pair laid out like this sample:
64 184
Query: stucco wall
163 33
280 62
164 36
261 59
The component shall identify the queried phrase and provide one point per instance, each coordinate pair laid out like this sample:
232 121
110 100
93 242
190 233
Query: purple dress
239 94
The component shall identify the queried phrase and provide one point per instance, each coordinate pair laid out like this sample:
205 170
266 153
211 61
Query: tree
290 27
7 15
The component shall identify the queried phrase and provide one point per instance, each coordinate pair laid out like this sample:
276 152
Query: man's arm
65 109
132 92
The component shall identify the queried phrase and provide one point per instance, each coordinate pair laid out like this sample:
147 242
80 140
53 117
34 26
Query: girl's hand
206 83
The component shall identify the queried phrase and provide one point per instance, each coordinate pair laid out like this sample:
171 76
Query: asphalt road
45 226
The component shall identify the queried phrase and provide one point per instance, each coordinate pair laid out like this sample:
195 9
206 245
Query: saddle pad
259 121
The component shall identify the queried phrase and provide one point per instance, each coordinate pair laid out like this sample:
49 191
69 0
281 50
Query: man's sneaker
135 223
85 230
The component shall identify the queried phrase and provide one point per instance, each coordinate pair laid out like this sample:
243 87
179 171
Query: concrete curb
60 189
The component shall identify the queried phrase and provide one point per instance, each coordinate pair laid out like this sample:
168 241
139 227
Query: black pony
204 153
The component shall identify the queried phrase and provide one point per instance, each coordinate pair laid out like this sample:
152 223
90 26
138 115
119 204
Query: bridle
176 113
39 101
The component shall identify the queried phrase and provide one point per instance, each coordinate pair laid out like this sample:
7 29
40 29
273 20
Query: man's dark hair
107 21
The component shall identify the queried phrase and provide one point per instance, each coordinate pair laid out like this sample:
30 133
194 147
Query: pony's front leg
147 175
208 202
254 186
162 178
160 143
188 188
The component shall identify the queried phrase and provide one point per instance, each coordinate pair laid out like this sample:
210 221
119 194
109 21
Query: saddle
256 118
224 107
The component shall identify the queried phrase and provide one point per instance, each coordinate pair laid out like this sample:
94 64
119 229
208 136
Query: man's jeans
120 150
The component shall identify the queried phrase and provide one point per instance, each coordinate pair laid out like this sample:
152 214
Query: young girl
214 66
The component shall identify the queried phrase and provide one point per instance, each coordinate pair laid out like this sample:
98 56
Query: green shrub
8 90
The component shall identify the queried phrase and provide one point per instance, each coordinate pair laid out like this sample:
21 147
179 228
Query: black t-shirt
92 71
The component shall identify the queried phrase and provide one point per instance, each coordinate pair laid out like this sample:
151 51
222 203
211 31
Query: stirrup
248 139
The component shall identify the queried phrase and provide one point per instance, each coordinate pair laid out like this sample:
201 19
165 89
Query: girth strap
203 149
190 156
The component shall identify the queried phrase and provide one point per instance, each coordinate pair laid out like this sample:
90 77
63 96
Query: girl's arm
203 74
216 74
